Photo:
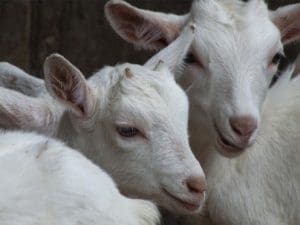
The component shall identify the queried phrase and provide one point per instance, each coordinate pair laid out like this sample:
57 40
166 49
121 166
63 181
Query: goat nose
243 125
196 185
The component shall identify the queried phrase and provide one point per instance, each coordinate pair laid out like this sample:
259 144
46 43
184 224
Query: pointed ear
14 78
173 56
18 111
146 29
67 84
287 19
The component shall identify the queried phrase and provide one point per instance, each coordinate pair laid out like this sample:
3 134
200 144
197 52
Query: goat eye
277 58
190 58
127 131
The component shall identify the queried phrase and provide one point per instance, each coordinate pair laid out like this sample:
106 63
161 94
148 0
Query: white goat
129 119
233 58
45 182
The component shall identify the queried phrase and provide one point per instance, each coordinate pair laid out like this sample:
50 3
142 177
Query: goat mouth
226 145
187 205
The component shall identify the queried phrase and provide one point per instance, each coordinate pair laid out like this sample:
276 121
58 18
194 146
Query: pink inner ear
59 82
68 86
119 13
9 120
291 35
143 28
286 18
136 28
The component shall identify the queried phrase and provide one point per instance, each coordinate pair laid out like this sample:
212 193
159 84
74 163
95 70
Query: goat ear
14 78
150 30
173 55
67 84
18 111
287 19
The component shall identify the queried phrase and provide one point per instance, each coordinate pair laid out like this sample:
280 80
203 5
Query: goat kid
45 182
129 119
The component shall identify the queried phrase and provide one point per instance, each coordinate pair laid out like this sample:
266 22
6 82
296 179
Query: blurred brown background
32 29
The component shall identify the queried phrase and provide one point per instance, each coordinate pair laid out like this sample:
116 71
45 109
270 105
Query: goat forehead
163 102
166 109
254 31
153 87
245 44
229 12
151 94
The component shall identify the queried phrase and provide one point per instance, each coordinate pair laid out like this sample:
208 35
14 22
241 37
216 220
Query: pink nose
243 126
196 185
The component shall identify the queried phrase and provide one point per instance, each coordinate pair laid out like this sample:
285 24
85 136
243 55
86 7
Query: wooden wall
32 29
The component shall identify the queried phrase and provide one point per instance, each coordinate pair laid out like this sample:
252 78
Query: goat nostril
196 185
243 125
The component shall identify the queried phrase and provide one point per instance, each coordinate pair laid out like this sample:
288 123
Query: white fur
234 46
159 159
42 116
14 78
236 42
45 182
262 186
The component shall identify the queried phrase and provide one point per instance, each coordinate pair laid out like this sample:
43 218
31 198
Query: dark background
30 30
